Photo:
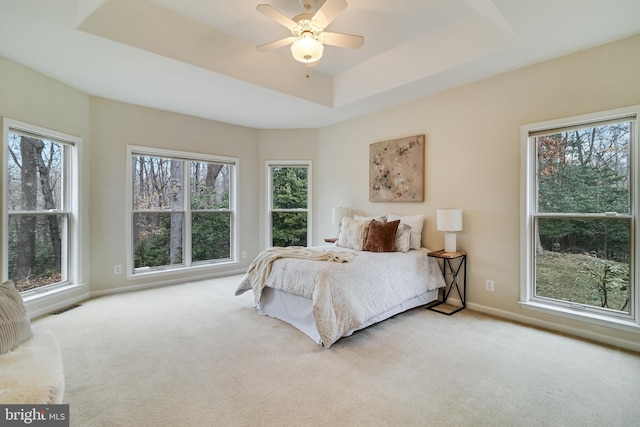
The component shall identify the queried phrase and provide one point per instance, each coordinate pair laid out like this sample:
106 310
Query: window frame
72 288
269 165
529 214
187 264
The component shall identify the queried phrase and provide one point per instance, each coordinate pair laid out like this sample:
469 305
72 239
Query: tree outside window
181 210
289 209
38 214
582 218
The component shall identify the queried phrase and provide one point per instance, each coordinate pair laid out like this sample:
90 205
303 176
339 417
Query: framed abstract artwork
396 170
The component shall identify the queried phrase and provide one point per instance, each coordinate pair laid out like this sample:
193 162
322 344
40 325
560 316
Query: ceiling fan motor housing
307 4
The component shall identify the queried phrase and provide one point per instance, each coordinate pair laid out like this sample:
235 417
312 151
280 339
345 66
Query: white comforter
346 295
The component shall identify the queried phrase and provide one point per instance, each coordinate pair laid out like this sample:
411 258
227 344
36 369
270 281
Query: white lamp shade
449 219
307 50
339 213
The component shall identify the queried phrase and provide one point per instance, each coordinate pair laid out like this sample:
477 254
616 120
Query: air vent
64 310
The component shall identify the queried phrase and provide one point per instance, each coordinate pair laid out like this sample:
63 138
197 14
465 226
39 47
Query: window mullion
187 232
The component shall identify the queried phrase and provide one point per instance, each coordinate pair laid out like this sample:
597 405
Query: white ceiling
198 57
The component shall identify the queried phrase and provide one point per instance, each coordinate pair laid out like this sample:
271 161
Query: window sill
47 291
44 301
592 318
199 268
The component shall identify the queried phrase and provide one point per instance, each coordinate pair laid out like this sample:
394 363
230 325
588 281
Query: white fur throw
256 276
32 373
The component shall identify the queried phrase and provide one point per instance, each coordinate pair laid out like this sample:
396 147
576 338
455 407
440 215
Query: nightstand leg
449 270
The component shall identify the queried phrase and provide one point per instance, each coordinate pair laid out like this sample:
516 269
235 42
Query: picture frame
396 170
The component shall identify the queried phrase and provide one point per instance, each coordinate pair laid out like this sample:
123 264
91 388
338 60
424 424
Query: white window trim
233 205
527 207
269 199
43 300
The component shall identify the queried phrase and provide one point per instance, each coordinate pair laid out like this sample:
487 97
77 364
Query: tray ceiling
198 57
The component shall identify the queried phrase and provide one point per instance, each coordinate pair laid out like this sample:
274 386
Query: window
40 231
580 237
182 210
289 203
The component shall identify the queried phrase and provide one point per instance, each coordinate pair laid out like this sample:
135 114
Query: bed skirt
298 311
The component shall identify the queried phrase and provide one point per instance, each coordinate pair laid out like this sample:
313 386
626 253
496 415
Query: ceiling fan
308 35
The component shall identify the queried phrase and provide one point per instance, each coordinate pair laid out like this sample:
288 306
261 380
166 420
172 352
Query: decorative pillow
380 218
353 233
381 236
403 239
416 222
15 327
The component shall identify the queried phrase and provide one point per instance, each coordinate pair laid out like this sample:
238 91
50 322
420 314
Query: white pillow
416 222
15 326
353 233
403 239
380 218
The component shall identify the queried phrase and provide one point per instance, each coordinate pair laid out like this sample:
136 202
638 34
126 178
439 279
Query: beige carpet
195 355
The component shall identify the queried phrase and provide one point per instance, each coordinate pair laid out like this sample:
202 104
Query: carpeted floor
195 355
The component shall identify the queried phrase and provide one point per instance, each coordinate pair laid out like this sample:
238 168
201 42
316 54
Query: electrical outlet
243 254
488 284
117 269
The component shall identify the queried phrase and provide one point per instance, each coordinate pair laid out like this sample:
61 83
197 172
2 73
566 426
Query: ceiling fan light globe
307 50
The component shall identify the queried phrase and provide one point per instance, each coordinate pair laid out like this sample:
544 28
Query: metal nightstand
451 270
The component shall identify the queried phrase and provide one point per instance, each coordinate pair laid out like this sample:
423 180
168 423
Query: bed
329 292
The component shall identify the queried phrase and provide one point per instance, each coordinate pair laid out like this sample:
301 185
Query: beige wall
32 98
114 125
473 160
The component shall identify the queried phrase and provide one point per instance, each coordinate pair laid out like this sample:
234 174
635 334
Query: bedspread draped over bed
347 293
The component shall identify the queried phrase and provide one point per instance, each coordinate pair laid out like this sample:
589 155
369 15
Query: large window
182 209
40 199
580 242
289 203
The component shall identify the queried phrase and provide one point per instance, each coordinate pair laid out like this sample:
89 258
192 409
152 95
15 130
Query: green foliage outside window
211 236
37 244
163 202
289 229
584 172
290 198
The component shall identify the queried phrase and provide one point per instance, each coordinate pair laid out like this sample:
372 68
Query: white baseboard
168 282
47 301
582 333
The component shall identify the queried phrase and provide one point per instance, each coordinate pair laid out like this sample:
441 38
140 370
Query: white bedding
347 295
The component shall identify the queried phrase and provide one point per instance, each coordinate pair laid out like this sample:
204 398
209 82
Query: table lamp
338 214
449 220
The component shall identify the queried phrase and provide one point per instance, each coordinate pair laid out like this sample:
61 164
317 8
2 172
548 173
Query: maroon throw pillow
381 236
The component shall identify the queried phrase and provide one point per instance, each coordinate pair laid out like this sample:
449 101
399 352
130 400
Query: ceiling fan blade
342 40
328 12
276 44
276 15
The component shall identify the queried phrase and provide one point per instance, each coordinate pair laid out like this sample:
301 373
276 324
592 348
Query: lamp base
450 242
